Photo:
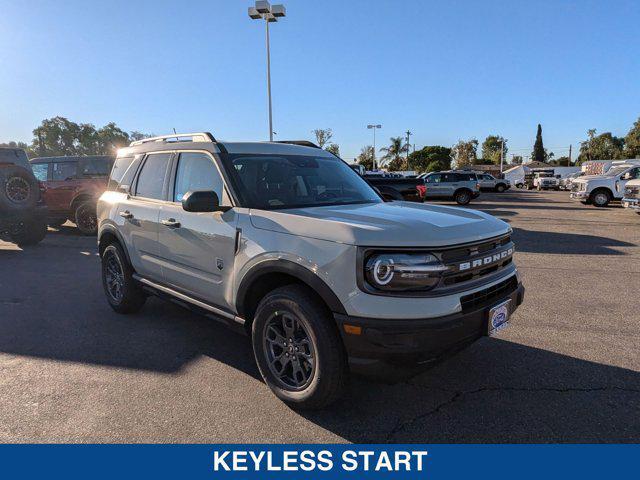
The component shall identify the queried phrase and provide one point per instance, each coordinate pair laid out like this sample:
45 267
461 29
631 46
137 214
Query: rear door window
64 171
151 180
95 166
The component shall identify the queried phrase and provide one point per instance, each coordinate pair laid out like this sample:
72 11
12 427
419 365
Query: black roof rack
302 143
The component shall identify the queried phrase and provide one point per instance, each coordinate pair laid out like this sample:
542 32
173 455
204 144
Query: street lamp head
278 10
374 126
270 18
263 7
253 13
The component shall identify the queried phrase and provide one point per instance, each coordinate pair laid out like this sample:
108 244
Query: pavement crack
459 394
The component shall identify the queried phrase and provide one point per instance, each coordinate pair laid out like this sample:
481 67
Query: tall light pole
374 127
501 155
269 13
408 132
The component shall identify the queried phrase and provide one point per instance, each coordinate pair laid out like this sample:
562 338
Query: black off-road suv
23 215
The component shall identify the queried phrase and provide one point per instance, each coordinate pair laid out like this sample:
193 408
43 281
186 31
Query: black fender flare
111 230
290 268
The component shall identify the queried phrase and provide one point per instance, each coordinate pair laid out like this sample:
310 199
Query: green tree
601 147
492 148
464 153
632 141
110 138
60 136
365 158
57 136
333 148
323 136
393 154
516 160
430 159
539 154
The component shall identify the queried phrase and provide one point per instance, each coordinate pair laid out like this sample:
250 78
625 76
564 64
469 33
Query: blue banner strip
297 461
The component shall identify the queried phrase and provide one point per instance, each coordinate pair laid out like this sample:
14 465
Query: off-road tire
32 233
86 218
19 189
462 197
132 297
330 372
600 198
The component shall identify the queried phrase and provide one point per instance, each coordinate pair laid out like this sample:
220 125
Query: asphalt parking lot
566 370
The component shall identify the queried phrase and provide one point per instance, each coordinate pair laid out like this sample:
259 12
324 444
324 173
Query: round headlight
383 271
403 271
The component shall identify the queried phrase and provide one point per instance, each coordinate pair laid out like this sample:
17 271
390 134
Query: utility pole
569 161
408 132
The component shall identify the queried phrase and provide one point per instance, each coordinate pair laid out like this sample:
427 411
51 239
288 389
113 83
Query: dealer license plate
498 318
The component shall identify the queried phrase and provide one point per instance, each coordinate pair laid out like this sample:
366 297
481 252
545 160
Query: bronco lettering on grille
485 261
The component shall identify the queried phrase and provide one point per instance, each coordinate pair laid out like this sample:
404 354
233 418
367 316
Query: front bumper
414 342
632 203
581 196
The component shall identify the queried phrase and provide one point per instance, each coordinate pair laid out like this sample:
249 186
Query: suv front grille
632 192
489 295
476 261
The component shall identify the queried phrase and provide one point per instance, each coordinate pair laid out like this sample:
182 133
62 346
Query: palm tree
393 153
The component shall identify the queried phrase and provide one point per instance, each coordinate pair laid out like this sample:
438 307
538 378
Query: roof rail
177 137
302 143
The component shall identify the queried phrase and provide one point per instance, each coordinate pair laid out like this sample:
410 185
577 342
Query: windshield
612 172
272 182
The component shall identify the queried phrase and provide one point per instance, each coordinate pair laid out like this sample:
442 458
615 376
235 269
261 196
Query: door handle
171 223
126 214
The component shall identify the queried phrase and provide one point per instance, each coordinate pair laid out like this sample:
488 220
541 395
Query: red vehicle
71 187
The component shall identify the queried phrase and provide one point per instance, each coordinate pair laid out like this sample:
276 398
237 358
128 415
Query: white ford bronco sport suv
292 247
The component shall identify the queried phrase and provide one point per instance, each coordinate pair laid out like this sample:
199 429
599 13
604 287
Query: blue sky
445 70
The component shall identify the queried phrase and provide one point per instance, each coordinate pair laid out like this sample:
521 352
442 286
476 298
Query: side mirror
206 201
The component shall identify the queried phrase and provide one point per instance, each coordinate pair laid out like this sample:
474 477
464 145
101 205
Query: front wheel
462 197
298 349
600 199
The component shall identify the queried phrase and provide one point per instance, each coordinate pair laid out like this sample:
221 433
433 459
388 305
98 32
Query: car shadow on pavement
534 241
495 391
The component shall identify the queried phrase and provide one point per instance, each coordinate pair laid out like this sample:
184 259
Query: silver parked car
290 246
461 186
492 184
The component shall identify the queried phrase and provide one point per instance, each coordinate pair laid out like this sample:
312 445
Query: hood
392 224
591 178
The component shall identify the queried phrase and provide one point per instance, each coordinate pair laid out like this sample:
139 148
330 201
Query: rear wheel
86 218
298 349
600 198
33 232
462 197
123 293
500 188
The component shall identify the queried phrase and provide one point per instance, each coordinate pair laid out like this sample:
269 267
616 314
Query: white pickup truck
631 198
600 190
